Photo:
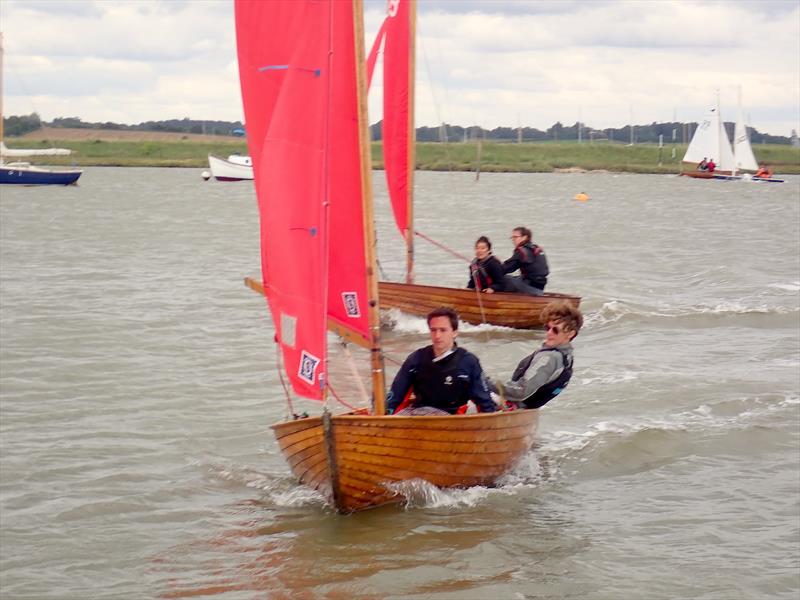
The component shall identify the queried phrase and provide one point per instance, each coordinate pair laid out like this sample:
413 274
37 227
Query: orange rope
442 246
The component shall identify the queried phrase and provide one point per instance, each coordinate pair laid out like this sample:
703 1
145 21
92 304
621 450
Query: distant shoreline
116 148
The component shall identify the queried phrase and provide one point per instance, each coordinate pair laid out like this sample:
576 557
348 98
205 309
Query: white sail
711 141
741 145
33 152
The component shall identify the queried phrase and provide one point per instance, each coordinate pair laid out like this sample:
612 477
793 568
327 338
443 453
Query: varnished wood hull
508 310
354 459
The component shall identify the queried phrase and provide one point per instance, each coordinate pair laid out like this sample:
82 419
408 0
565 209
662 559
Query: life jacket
477 270
533 264
440 384
549 390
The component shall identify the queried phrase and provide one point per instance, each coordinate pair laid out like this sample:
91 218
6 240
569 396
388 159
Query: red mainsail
297 69
397 34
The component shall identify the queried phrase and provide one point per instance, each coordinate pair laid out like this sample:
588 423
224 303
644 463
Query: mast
720 130
376 353
1 90
412 27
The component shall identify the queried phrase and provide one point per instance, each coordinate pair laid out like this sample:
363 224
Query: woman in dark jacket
531 262
485 269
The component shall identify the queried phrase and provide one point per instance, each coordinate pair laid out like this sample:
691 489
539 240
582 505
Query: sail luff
396 106
376 353
742 150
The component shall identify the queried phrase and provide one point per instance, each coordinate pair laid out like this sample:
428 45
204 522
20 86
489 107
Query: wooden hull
508 310
698 174
355 459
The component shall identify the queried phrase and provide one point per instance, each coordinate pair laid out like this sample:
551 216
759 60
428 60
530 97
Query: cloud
492 63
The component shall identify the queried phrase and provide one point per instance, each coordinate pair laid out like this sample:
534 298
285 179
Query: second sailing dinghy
397 36
710 140
303 82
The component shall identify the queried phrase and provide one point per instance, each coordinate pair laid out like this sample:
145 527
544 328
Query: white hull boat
235 168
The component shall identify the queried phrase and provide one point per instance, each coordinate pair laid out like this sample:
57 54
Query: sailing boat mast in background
23 173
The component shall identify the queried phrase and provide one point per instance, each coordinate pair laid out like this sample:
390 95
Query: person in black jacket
440 378
531 262
485 269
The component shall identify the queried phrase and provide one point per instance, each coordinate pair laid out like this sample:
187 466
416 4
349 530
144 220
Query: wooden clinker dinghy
507 310
303 61
367 454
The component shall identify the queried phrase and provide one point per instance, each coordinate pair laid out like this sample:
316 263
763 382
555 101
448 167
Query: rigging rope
354 372
279 366
339 400
442 246
478 293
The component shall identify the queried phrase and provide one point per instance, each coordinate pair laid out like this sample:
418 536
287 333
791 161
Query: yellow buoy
582 197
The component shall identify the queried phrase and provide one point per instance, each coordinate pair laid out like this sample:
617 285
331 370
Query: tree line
669 133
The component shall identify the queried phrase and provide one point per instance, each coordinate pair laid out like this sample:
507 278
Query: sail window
288 330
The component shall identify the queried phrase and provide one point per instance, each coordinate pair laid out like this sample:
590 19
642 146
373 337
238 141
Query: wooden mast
376 353
412 57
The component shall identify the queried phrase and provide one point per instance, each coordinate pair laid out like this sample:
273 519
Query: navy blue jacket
447 384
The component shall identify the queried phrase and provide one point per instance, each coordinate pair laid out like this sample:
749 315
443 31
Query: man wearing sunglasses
541 376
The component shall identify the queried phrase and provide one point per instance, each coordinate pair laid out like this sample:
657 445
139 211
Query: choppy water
137 380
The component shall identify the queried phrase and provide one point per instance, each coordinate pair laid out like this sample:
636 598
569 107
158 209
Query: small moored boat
235 168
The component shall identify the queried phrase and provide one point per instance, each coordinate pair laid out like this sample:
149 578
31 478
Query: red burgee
397 107
298 80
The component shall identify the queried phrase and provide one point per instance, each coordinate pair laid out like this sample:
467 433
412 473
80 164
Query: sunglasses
555 329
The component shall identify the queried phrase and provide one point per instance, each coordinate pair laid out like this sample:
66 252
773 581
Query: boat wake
400 322
278 489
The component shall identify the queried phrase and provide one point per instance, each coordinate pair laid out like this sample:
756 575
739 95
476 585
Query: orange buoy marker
582 197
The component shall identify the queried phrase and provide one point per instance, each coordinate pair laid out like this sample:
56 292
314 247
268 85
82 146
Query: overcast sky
483 62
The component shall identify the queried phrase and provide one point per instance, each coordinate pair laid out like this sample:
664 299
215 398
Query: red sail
298 79
397 107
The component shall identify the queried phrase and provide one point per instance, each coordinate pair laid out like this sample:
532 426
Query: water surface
138 381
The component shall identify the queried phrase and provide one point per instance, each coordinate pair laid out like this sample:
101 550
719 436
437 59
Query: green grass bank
529 157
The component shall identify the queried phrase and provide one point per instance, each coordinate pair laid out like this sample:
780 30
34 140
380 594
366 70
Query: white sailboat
24 173
710 140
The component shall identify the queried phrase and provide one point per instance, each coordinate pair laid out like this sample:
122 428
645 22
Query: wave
279 489
789 287
616 311
735 413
